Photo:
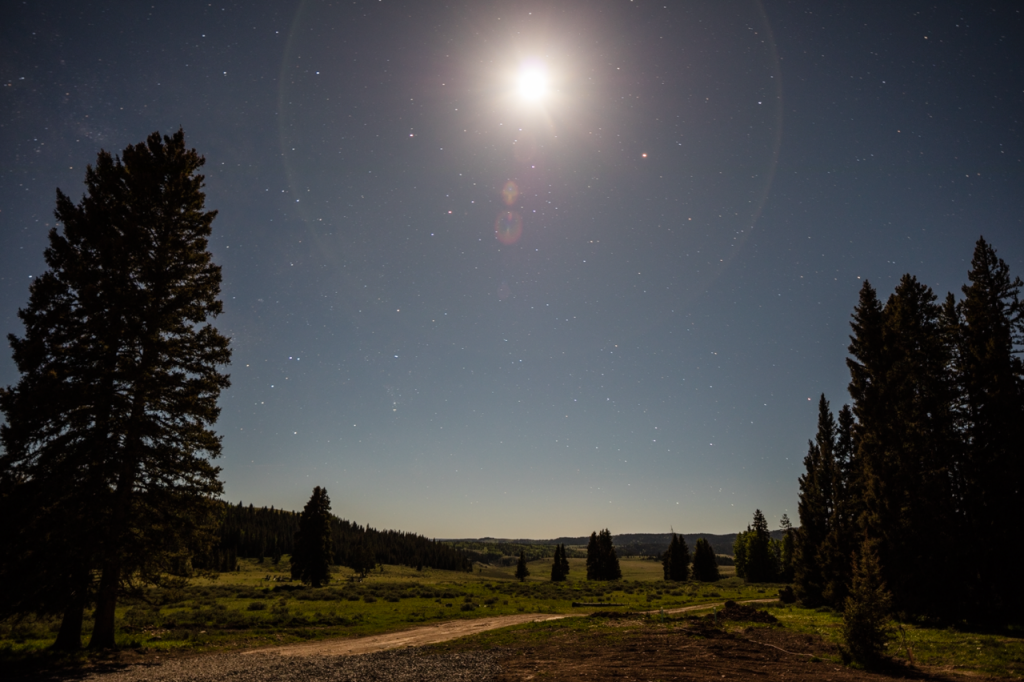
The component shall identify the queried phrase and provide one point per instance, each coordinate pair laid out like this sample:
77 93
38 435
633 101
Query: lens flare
508 227
510 192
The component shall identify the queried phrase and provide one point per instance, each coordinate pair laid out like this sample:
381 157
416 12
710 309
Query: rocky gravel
402 665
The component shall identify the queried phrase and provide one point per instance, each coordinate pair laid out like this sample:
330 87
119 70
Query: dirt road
432 634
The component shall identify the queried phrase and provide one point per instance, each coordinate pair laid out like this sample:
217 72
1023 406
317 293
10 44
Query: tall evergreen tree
843 537
560 565
676 560
739 552
986 335
312 556
556 566
760 567
593 558
815 506
609 558
521 570
705 565
109 429
602 562
907 444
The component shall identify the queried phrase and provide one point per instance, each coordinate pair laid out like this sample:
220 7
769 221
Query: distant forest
262 533
506 552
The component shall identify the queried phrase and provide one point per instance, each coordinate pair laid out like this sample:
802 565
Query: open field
255 607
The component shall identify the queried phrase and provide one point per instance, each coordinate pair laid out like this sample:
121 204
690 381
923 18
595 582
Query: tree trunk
106 604
69 638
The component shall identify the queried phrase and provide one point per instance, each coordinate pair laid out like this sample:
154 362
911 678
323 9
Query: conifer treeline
930 452
251 532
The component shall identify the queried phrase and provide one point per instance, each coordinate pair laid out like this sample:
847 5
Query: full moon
533 83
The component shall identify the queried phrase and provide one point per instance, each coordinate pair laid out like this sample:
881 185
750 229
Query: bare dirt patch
430 634
694 650
443 632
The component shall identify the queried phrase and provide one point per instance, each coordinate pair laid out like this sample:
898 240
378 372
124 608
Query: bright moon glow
533 83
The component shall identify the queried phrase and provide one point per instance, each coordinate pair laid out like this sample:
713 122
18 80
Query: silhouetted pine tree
760 566
676 560
109 433
556 567
560 565
907 444
602 562
311 558
843 538
521 570
986 330
815 505
705 566
593 558
739 552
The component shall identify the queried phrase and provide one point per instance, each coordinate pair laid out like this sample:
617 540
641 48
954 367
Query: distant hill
626 544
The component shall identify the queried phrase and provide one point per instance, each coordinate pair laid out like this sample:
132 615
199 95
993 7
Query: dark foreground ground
741 644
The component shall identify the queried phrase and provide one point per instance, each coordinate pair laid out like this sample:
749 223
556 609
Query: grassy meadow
258 606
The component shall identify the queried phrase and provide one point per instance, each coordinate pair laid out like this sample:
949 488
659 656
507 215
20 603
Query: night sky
471 310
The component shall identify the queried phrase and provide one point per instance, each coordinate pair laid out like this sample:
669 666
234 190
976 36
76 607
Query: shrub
256 606
866 629
369 599
468 607
138 617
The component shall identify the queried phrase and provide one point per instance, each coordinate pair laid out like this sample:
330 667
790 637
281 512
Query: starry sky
469 311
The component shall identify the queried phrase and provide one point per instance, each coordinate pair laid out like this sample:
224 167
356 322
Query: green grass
999 654
258 606
245 609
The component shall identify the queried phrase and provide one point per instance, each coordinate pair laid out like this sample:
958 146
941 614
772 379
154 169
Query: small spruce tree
676 560
739 553
593 558
866 613
705 566
311 559
560 565
521 570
